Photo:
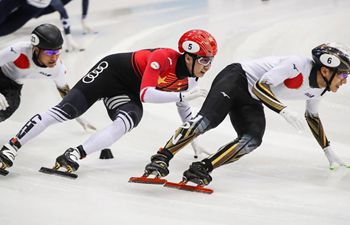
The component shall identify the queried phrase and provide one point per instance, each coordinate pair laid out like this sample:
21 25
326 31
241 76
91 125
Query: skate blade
183 186
147 180
75 50
3 172
58 172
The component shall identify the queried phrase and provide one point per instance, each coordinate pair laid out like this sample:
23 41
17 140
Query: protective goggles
343 74
52 52
205 61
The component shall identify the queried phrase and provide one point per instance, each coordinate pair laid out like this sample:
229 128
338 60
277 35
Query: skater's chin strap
328 82
36 60
181 69
194 58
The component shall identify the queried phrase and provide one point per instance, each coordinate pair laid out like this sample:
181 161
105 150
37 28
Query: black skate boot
69 159
198 173
159 164
8 153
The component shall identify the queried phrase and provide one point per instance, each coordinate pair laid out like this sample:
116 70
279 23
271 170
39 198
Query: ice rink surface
285 181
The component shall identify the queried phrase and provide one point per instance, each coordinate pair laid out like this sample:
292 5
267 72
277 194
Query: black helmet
332 55
47 36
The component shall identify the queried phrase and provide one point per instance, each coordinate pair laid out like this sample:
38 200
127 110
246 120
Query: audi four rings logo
90 77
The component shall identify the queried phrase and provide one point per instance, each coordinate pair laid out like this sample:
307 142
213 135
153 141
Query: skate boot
8 153
71 45
159 164
198 173
69 159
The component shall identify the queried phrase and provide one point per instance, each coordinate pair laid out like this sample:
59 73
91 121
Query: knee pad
133 112
130 114
198 124
249 142
63 112
72 106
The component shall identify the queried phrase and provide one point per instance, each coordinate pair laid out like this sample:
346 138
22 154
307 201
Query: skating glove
3 102
198 149
333 159
85 124
293 118
193 94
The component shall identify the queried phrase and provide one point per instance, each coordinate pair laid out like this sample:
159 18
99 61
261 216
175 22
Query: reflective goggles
343 74
52 52
205 61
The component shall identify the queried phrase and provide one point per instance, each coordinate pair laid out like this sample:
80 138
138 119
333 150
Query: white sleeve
312 106
60 80
277 75
184 110
8 54
152 95
192 83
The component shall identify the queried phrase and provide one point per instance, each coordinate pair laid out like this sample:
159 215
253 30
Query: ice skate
154 171
158 166
72 46
69 160
86 28
198 174
8 154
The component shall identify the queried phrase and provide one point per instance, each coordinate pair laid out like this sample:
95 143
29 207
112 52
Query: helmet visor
205 61
52 52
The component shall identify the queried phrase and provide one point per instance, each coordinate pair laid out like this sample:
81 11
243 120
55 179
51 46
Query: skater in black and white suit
241 89
38 59
16 13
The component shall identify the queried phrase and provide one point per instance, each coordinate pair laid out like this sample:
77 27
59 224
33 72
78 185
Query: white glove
293 118
71 45
86 28
3 102
198 150
333 159
193 94
85 124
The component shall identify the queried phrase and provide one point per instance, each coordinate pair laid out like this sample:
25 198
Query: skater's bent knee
250 142
133 111
198 124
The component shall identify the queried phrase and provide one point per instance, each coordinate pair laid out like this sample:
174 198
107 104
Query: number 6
329 60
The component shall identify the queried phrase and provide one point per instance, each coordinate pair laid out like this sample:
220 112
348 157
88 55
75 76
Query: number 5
189 46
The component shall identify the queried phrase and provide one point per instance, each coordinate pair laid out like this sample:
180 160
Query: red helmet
198 42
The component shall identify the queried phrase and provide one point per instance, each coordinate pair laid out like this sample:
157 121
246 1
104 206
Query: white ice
285 181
